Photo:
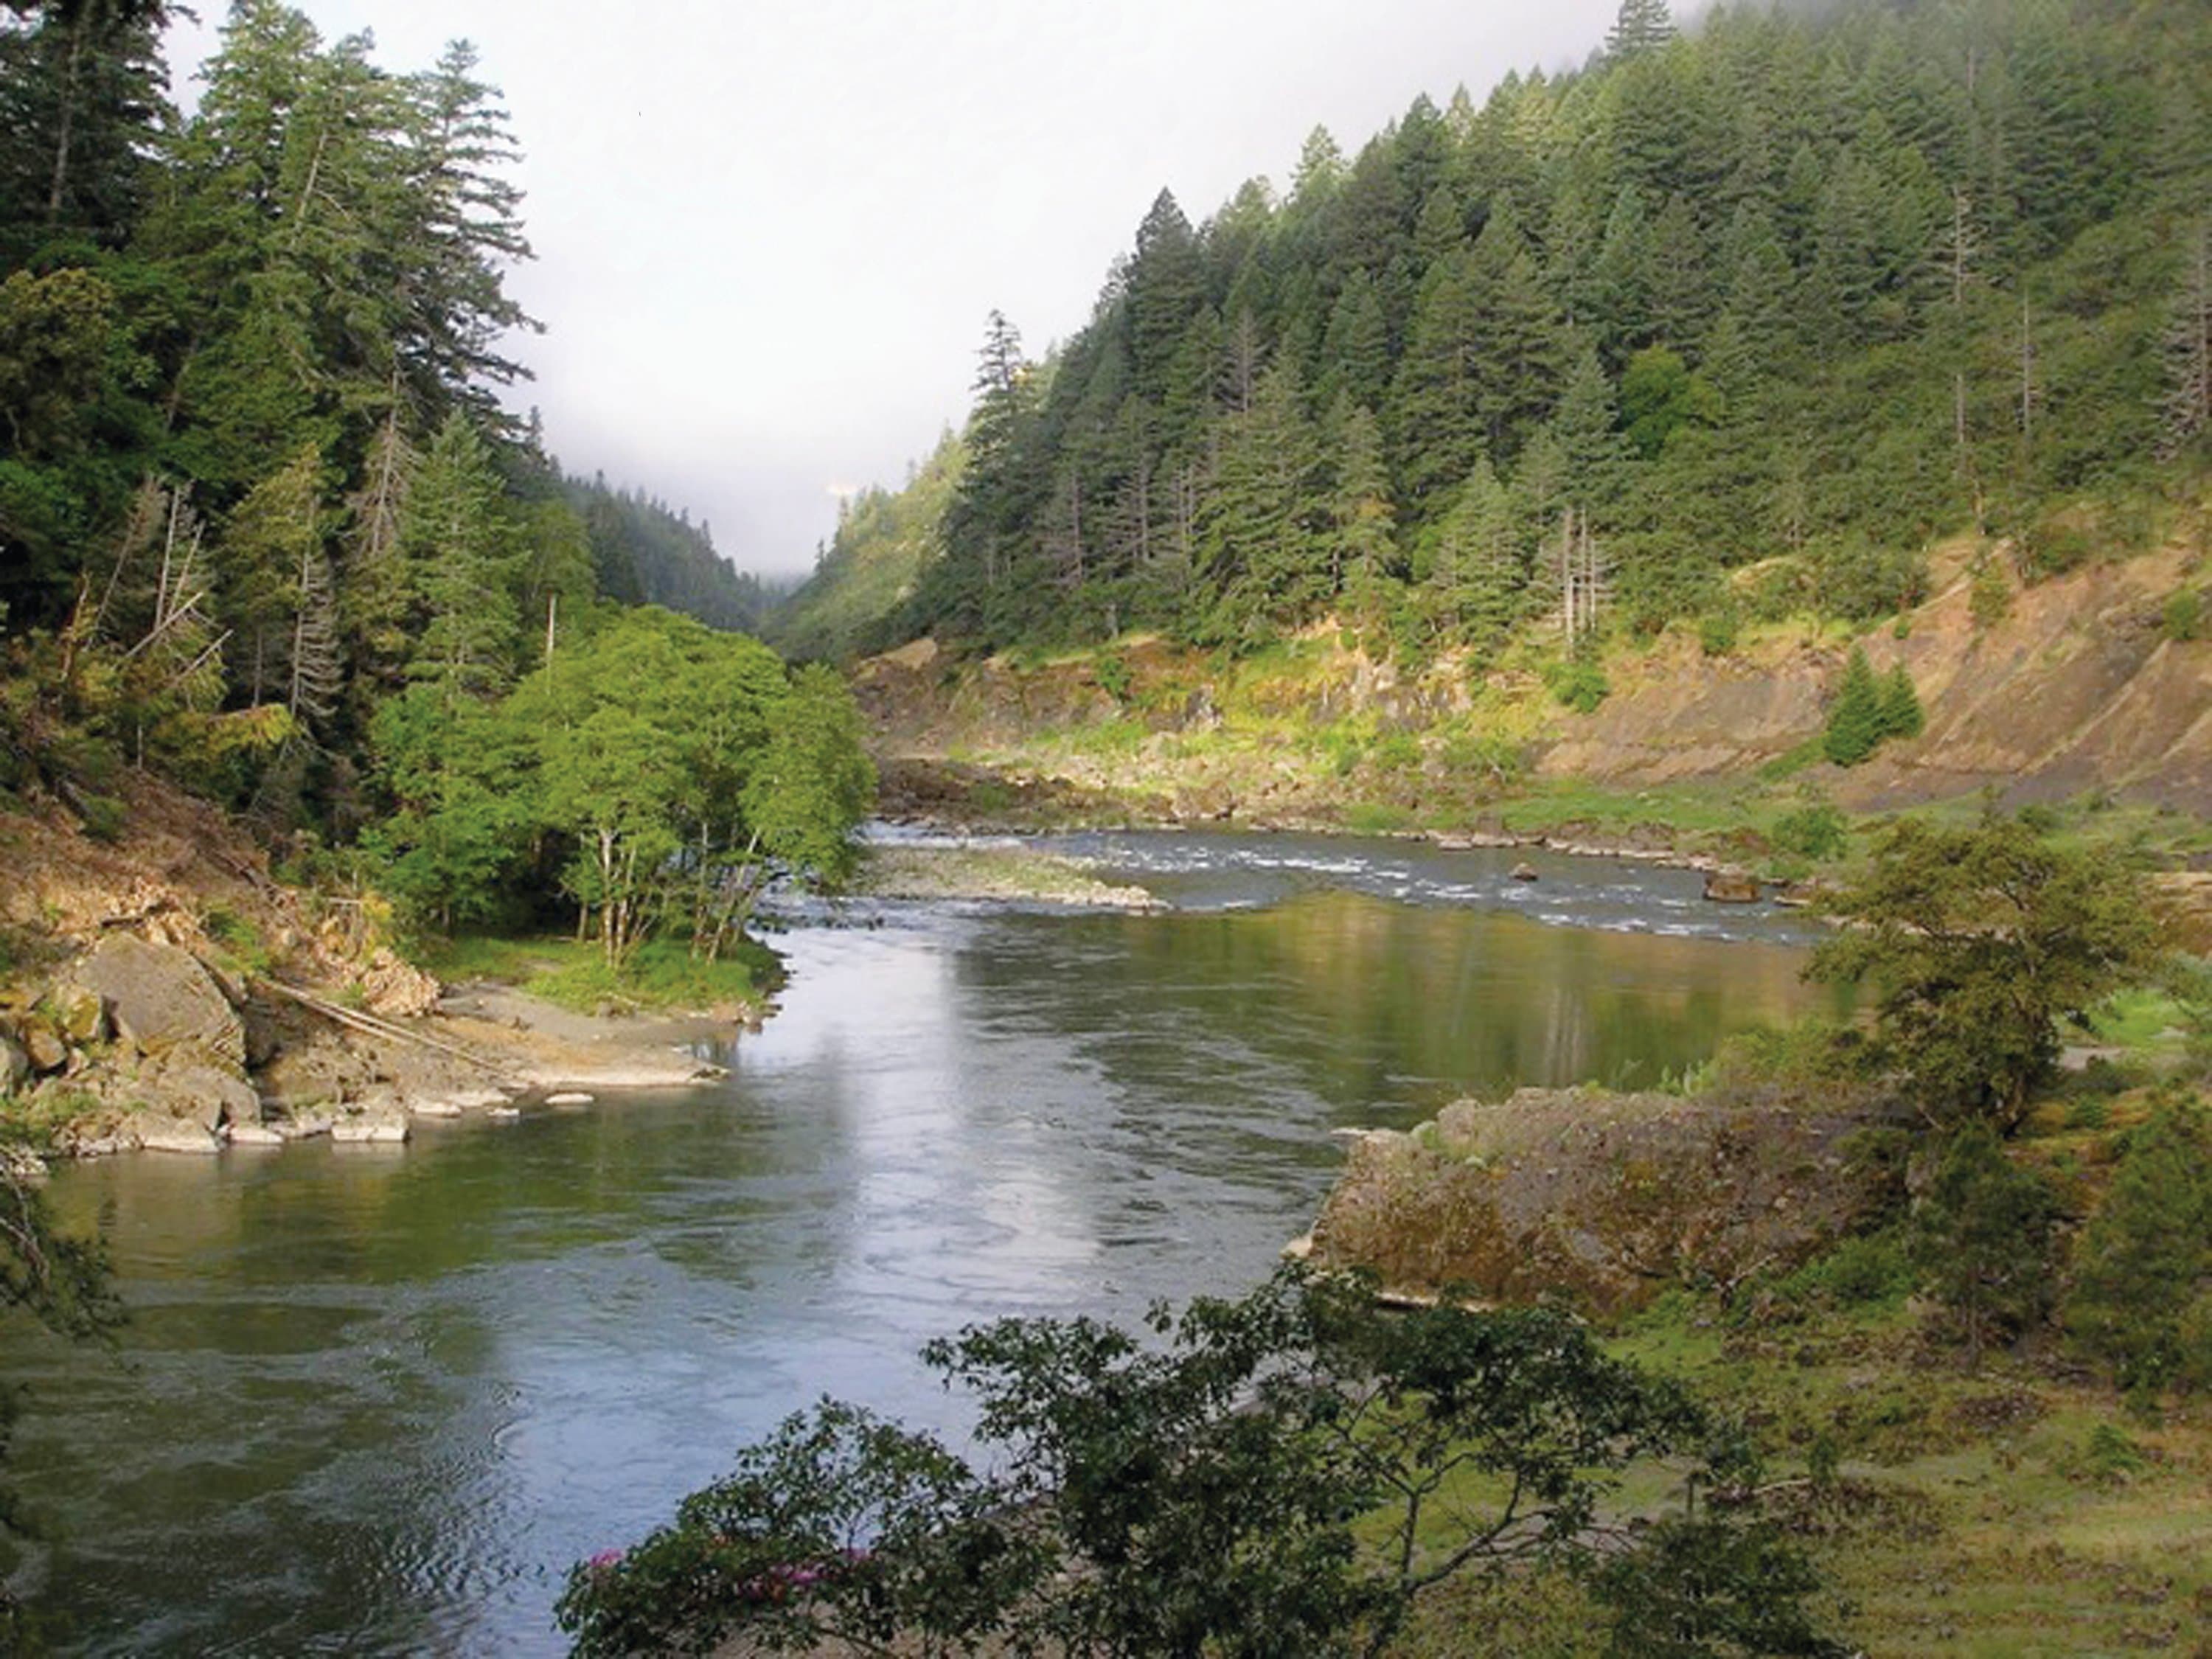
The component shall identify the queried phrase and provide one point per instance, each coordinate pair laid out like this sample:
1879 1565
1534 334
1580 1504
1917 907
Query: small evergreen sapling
2143 1288
1983 1239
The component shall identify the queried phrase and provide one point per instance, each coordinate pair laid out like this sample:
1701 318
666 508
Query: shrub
1579 684
1113 672
1198 1491
2184 616
1989 601
1816 830
1717 631
1982 1238
2145 1264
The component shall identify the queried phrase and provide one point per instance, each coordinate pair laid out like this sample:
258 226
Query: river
375 1400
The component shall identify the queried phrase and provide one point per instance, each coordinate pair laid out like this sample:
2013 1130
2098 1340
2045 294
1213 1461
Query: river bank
163 989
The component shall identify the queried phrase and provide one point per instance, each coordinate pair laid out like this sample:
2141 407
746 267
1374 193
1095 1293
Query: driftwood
373 1025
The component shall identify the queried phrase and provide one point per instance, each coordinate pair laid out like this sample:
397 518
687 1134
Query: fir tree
2146 1256
1901 715
1640 26
1855 723
1983 1236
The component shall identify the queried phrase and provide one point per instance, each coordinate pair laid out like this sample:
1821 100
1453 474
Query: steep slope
2078 688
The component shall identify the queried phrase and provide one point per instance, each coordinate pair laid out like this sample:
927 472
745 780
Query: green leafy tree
813 783
2142 1284
462 779
1193 1494
1980 942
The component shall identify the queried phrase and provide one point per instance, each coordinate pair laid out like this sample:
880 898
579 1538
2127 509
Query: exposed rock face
1602 1199
395 989
163 1001
14 1065
44 1046
204 1095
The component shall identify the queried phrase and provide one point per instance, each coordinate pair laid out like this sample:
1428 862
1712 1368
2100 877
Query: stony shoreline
142 1046
960 868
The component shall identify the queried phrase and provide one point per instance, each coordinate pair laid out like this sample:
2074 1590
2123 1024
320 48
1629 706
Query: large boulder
163 1001
155 1132
1601 1200
193 1092
15 1065
45 1046
81 1014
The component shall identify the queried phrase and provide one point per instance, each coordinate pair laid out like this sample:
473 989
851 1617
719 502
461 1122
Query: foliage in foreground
1279 1475
1982 941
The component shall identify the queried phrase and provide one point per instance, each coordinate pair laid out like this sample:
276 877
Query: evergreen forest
1732 320
269 526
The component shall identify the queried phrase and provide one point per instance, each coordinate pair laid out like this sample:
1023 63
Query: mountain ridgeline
1729 323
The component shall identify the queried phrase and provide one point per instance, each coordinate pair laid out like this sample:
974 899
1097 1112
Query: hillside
1745 333
850 602
2079 691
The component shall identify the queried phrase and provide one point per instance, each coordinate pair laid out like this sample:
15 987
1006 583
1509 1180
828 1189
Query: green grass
2147 1023
660 976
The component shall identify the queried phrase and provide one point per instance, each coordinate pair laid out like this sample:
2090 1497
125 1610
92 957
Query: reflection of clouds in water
449 1371
960 1193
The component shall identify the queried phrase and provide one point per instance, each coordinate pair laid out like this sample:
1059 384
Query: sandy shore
540 1046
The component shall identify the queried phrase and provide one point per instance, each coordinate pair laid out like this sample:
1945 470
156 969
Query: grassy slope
2020 1510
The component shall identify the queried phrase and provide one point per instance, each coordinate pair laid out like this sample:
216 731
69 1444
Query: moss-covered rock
1600 1200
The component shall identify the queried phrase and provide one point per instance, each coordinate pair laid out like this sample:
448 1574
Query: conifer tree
1901 715
1360 514
272 535
1855 722
1640 26
2146 1259
2187 403
457 544
1478 576
1982 1236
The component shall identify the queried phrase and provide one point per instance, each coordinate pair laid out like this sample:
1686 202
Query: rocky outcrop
1731 887
1601 1199
163 1001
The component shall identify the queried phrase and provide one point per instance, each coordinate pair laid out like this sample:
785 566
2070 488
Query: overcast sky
768 234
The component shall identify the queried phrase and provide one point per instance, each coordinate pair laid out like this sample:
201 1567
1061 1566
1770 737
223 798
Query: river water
375 1400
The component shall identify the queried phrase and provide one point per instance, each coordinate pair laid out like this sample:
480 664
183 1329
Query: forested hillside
644 552
868 569
1730 322
265 525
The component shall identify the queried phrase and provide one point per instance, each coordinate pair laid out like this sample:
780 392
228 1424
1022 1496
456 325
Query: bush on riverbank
1282 1474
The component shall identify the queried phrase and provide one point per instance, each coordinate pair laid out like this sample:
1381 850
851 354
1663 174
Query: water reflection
373 1401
